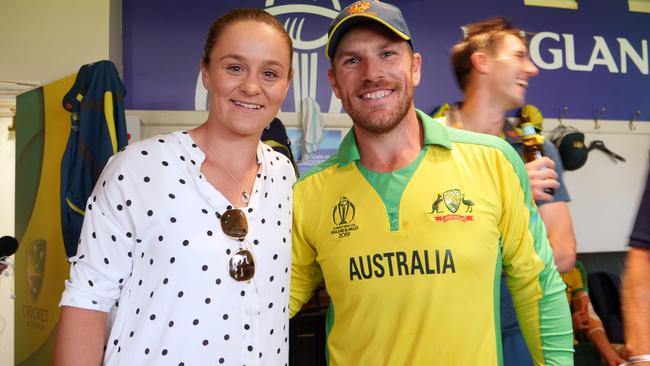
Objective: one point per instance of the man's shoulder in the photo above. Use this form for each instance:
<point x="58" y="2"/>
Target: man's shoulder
<point x="319" y="170"/>
<point x="484" y="150"/>
<point x="459" y="136"/>
<point x="551" y="150"/>
<point x="549" y="146"/>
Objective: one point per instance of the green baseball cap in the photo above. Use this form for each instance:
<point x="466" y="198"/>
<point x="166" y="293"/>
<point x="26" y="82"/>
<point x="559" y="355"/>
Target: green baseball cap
<point x="573" y="151"/>
<point x="570" y="143"/>
<point x="362" y="12"/>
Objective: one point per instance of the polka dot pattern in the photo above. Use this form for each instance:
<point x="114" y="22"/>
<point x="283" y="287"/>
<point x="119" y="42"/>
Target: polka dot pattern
<point x="152" y="243"/>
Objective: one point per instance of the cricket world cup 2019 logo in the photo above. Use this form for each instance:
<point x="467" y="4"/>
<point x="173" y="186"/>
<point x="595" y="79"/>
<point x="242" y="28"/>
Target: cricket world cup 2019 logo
<point x="343" y="212"/>
<point x="307" y="25"/>
<point x="342" y="215"/>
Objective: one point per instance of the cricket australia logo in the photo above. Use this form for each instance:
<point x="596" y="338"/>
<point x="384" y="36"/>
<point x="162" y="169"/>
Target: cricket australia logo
<point x="453" y="199"/>
<point x="342" y="216"/>
<point x="35" y="268"/>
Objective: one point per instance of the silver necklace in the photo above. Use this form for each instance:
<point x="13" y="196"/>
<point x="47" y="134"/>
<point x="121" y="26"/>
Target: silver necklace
<point x="244" y="195"/>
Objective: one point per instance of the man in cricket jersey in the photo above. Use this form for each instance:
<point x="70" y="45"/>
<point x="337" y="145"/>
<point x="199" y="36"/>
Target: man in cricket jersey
<point x="411" y="223"/>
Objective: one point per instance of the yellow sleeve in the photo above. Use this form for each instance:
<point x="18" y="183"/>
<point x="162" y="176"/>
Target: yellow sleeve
<point x="306" y="273"/>
<point x="537" y="290"/>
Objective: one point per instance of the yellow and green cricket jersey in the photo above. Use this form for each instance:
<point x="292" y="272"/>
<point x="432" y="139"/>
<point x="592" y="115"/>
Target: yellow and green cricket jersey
<point x="412" y="259"/>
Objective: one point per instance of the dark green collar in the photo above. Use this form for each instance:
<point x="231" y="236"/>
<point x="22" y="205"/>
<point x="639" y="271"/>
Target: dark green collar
<point x="434" y="134"/>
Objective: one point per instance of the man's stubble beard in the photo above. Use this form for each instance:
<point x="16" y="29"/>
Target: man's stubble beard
<point x="387" y="121"/>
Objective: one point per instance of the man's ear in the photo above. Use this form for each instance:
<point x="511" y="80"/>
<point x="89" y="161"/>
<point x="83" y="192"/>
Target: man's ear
<point x="480" y="62"/>
<point x="335" y="86"/>
<point x="416" y="68"/>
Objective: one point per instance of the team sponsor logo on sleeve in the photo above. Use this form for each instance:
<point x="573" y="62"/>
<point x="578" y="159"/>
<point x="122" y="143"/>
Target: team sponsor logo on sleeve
<point x="454" y="201"/>
<point x="343" y="215"/>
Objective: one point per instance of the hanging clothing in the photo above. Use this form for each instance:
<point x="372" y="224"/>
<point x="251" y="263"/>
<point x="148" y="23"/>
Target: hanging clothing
<point x="313" y="124"/>
<point x="96" y="101"/>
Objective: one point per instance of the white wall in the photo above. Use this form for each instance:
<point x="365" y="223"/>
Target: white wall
<point x="7" y="193"/>
<point x="606" y="194"/>
<point x="43" y="41"/>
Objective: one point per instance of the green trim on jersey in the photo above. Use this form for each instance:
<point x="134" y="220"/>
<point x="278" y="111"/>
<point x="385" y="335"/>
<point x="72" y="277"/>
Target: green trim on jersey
<point x="390" y="186"/>
<point x="497" y="304"/>
<point x="332" y="160"/>
<point x="434" y="134"/>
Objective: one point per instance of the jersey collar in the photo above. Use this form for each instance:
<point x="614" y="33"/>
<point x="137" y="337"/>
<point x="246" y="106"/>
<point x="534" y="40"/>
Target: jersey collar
<point x="434" y="134"/>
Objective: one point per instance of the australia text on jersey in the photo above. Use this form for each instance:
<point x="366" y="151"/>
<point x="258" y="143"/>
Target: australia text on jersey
<point x="393" y="264"/>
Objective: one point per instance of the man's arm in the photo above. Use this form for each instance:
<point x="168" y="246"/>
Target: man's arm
<point x="593" y="328"/>
<point x="599" y="339"/>
<point x="554" y="209"/>
<point x="80" y="337"/>
<point x="559" y="230"/>
<point x="636" y="288"/>
<point x="636" y="302"/>
<point x="537" y="290"/>
<point x="306" y="274"/>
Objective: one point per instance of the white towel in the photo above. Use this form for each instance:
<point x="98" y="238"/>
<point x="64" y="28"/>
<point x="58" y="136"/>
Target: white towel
<point x="312" y="126"/>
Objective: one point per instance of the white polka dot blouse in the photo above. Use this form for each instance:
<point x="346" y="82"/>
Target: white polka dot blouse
<point x="153" y="255"/>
